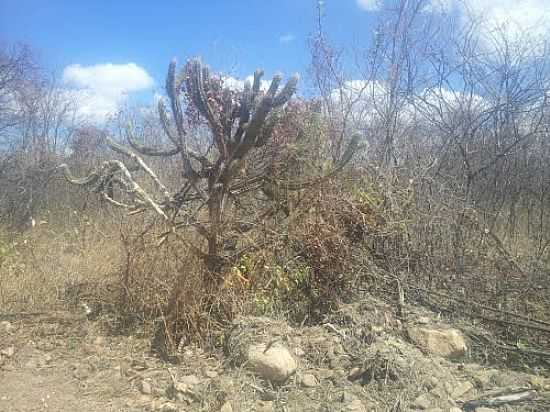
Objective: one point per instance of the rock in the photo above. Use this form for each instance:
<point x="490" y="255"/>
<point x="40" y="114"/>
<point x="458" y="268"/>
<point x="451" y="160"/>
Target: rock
<point x="145" y="388"/>
<point x="434" y="410"/>
<point x="423" y="401"/>
<point x="448" y="343"/>
<point x="309" y="380"/>
<point x="455" y="409"/>
<point x="461" y="389"/>
<point x="482" y="409"/>
<point x="273" y="363"/>
<point x="226" y="407"/>
<point x="8" y="352"/>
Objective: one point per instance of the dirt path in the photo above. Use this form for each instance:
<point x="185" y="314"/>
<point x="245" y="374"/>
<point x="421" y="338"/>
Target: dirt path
<point x="55" y="362"/>
<point x="358" y="362"/>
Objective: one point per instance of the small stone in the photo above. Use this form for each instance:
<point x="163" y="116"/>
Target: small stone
<point x="226" y="407"/>
<point x="8" y="352"/>
<point x="449" y="343"/>
<point x="461" y="389"/>
<point x="482" y="409"/>
<point x="273" y="363"/>
<point x="309" y="381"/>
<point x="423" y="320"/>
<point x="422" y="402"/>
<point x="145" y="388"/>
<point x="455" y="409"/>
<point x="435" y="410"/>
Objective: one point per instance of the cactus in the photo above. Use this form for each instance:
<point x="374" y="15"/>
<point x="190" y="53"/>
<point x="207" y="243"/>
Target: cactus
<point x="239" y="123"/>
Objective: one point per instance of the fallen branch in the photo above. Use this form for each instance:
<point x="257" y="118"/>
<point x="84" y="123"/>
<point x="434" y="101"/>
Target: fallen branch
<point x="515" y="395"/>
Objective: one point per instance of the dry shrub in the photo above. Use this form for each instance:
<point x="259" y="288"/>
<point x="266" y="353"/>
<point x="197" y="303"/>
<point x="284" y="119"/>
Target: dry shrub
<point x="38" y="266"/>
<point x="169" y="285"/>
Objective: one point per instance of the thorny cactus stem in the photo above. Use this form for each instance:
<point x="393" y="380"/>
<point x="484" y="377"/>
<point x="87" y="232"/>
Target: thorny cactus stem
<point x="238" y="121"/>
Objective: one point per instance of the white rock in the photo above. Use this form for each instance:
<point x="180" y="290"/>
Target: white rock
<point x="273" y="363"/>
<point x="145" y="388"/>
<point x="309" y="381"/>
<point x="461" y="389"/>
<point x="482" y="409"/>
<point x="449" y="343"/>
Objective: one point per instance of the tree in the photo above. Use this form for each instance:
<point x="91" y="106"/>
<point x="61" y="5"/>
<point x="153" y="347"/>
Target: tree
<point x="240" y="125"/>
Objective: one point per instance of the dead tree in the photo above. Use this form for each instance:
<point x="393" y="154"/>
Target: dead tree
<point x="239" y="122"/>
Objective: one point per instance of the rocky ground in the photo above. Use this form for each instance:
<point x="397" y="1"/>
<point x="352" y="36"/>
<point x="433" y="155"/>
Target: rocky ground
<point x="361" y="358"/>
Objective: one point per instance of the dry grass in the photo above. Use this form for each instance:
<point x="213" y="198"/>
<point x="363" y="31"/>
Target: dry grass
<point x="38" y="265"/>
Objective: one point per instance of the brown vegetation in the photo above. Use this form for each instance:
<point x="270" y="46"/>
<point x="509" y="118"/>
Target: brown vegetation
<point x="260" y="205"/>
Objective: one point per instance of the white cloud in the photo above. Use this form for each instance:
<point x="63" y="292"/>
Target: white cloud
<point x="100" y="90"/>
<point x="514" y="18"/>
<point x="287" y="38"/>
<point x="369" y="5"/>
<point x="440" y="6"/>
<point x="238" y="84"/>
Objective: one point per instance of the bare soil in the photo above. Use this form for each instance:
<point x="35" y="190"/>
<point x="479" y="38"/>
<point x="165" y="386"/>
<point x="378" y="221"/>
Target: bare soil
<point x="357" y="360"/>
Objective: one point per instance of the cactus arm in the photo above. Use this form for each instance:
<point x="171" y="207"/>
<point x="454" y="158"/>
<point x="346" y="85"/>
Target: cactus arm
<point x="198" y="81"/>
<point x="165" y="122"/>
<point x="92" y="178"/>
<point x="148" y="151"/>
<point x="125" y="151"/>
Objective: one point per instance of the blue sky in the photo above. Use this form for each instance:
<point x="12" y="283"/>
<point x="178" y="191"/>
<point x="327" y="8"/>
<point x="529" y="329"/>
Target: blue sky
<point x="235" y="37"/>
<point x="231" y="35"/>
<point x="109" y="52"/>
